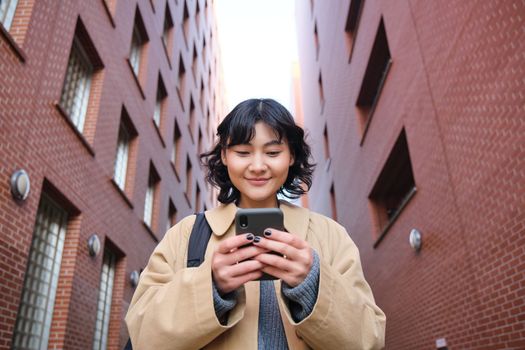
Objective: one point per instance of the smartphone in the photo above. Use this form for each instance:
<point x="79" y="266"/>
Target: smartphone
<point x="256" y="221"/>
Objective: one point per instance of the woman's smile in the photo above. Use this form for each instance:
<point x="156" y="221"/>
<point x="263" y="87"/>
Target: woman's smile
<point x="258" y="181"/>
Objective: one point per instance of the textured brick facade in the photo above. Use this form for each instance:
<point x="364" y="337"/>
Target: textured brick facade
<point x="455" y="85"/>
<point x="76" y="169"/>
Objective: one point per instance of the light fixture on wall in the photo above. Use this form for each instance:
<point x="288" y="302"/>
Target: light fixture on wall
<point x="93" y="245"/>
<point x="20" y="184"/>
<point x="415" y="239"/>
<point x="134" y="278"/>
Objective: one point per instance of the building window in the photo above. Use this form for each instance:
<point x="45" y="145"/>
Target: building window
<point x="160" y="103"/>
<point x="125" y="153"/>
<point x="167" y="32"/>
<point x="199" y="143"/>
<point x="374" y="79"/>
<point x="326" y="148"/>
<point x="122" y="155"/>
<point x="333" y="203"/>
<point x="105" y="293"/>
<point x="7" y="12"/>
<point x="192" y="121"/>
<point x="321" y="92"/>
<point x="33" y="322"/>
<point x="77" y="84"/>
<point x="201" y="96"/>
<point x="176" y="150"/>
<point x="194" y="63"/>
<point x="316" y="42"/>
<point x="394" y="187"/>
<point x="189" y="180"/>
<point x="82" y="65"/>
<point x="139" y="39"/>
<point x="198" y="16"/>
<point x="186" y="23"/>
<point x="352" y="21"/>
<point x="182" y="81"/>
<point x="172" y="215"/>
<point x="198" y="199"/>
<point x="204" y="50"/>
<point x="149" y="201"/>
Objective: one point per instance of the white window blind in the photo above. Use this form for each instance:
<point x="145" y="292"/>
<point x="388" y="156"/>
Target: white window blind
<point x="35" y="312"/>
<point x="121" y="159"/>
<point x="75" y="93"/>
<point x="107" y="277"/>
<point x="7" y="12"/>
<point x="158" y="107"/>
<point x="148" y="203"/>
<point x="136" y="46"/>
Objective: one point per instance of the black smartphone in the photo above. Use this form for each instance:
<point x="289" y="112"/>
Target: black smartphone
<point x="255" y="221"/>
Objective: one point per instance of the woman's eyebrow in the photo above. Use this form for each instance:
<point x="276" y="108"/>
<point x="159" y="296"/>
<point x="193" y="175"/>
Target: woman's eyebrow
<point x="273" y="142"/>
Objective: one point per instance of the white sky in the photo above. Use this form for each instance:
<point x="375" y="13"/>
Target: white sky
<point x="258" y="43"/>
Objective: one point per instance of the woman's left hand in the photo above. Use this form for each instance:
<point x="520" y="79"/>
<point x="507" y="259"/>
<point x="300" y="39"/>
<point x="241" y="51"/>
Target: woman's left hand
<point x="295" y="261"/>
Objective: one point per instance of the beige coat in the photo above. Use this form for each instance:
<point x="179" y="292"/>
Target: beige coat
<point x="172" y="307"/>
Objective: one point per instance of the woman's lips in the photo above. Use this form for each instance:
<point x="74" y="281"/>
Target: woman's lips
<point x="258" y="181"/>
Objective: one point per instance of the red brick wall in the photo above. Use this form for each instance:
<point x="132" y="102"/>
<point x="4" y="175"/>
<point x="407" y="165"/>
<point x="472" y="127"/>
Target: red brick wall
<point x="34" y="135"/>
<point x="456" y="87"/>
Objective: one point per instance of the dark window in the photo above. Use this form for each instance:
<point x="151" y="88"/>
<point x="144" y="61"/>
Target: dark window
<point x="167" y="33"/>
<point x="177" y="149"/>
<point x="376" y="71"/>
<point x="150" y="200"/>
<point x="333" y="202"/>
<point x="139" y="38"/>
<point x="191" y="124"/>
<point x="186" y="22"/>
<point x="316" y="41"/>
<point x="394" y="187"/>
<point x="321" y="92"/>
<point x="189" y="180"/>
<point x="352" y="21"/>
<point x="172" y="215"/>
<point x="194" y="63"/>
<point x="160" y="105"/>
<point x="198" y="199"/>
<point x="182" y="81"/>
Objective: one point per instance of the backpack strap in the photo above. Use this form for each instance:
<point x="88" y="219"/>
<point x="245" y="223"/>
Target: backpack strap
<point x="199" y="237"/>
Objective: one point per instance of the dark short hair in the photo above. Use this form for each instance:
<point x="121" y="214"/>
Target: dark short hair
<point x="239" y="128"/>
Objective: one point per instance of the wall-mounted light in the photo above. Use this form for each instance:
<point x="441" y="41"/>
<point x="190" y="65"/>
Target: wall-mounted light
<point x="20" y="184"/>
<point x="134" y="278"/>
<point x="93" y="245"/>
<point x="415" y="239"/>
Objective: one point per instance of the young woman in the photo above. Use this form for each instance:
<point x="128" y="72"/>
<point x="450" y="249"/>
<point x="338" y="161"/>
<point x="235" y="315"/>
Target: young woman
<point x="320" y="299"/>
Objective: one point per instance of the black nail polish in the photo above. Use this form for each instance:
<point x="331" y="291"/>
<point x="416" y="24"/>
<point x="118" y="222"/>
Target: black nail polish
<point x="250" y="236"/>
<point x="257" y="239"/>
<point x="267" y="233"/>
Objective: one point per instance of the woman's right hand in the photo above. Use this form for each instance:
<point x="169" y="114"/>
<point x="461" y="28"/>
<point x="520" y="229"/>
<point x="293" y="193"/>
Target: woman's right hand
<point x="232" y="265"/>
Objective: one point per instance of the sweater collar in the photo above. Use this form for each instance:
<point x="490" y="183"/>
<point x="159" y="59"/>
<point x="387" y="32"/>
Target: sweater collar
<point x="296" y="218"/>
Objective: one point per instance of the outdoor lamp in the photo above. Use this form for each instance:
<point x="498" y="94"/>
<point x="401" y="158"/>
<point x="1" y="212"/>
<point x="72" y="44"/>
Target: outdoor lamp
<point x="134" y="278"/>
<point x="93" y="245"/>
<point x="20" y="184"/>
<point x="415" y="239"/>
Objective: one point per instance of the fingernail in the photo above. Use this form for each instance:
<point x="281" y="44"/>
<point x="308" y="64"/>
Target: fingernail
<point x="257" y="239"/>
<point x="267" y="233"/>
<point x="250" y="236"/>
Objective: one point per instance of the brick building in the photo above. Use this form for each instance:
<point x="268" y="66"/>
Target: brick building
<point x="416" y="113"/>
<point x="105" y="104"/>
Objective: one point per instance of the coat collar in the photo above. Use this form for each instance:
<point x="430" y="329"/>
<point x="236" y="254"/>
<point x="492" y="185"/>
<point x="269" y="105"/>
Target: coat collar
<point x="295" y="218"/>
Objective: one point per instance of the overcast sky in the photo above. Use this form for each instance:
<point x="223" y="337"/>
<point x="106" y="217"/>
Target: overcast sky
<point x="258" y="43"/>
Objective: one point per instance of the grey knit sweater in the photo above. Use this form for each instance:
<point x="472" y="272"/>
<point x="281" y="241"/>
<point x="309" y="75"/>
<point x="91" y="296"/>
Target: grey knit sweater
<point x="301" y="301"/>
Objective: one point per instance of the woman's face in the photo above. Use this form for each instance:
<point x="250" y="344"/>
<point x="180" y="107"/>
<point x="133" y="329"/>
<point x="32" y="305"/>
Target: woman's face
<point x="259" y="168"/>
